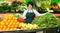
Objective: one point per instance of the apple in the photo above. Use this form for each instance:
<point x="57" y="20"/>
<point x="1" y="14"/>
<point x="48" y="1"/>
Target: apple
<point x="20" y="20"/>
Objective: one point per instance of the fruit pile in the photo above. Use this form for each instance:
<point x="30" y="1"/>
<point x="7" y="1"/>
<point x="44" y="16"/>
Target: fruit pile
<point x="10" y="23"/>
<point x="28" y="26"/>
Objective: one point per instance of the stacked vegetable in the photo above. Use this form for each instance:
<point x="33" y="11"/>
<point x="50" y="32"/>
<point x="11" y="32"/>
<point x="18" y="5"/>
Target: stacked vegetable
<point x="46" y="21"/>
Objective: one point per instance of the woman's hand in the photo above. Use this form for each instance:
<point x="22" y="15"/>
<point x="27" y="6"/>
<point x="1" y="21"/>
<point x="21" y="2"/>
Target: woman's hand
<point x="46" y="13"/>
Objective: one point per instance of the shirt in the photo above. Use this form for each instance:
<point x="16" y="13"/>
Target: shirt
<point x="36" y="13"/>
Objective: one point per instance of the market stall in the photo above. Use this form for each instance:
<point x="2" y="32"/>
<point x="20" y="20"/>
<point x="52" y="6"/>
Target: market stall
<point x="11" y="12"/>
<point x="10" y="24"/>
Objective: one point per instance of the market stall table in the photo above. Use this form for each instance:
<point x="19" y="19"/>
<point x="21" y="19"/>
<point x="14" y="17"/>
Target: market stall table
<point x="29" y="31"/>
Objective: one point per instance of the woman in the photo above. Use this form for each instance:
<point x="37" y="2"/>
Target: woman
<point x="30" y="13"/>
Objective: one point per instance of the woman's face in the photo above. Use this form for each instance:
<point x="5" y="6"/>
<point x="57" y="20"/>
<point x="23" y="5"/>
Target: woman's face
<point x="30" y="6"/>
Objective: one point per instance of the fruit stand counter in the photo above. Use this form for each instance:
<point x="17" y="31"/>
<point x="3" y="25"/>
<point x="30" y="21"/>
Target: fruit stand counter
<point x="35" y="30"/>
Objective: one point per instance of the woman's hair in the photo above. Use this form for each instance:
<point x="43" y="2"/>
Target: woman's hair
<point x="30" y="3"/>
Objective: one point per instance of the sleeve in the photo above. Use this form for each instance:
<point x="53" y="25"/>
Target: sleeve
<point x="24" y="14"/>
<point x="38" y="14"/>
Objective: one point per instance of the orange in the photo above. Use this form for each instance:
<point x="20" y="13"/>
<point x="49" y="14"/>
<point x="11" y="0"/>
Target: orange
<point x="11" y="28"/>
<point x="14" y="18"/>
<point x="4" y="29"/>
<point x="8" y="28"/>
<point x="1" y="26"/>
<point x="53" y="7"/>
<point x="15" y="28"/>
<point x="8" y="20"/>
<point x="1" y="23"/>
<point x="16" y="25"/>
<point x="11" y="18"/>
<point x="56" y="7"/>
<point x="4" y="26"/>
<point x="0" y="29"/>
<point x="12" y="21"/>
<point x="4" y="20"/>
<point x="6" y="23"/>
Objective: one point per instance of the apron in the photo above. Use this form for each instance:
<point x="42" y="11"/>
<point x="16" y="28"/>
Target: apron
<point x="29" y="17"/>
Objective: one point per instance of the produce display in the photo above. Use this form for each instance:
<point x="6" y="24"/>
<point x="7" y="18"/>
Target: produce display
<point x="11" y="23"/>
<point x="21" y="5"/>
<point x="47" y="21"/>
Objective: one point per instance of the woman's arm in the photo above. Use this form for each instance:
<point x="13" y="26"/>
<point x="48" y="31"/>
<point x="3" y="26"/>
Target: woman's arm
<point x="24" y="14"/>
<point x="38" y="14"/>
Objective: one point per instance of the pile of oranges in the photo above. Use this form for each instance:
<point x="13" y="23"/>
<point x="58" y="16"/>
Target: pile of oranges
<point x="9" y="23"/>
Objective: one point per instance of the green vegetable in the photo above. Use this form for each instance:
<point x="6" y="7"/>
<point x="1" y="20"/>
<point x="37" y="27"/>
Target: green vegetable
<point x="46" y="21"/>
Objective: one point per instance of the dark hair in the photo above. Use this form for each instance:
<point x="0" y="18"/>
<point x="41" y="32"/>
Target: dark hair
<point x="30" y="3"/>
